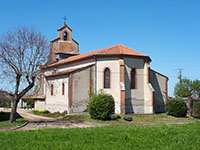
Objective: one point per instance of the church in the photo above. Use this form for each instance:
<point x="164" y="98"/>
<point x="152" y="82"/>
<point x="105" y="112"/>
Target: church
<point x="68" y="78"/>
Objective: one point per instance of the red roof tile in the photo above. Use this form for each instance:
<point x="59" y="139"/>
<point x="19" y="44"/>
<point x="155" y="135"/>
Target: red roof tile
<point x="34" y="97"/>
<point x="113" y="50"/>
<point x="66" y="47"/>
<point x="67" y="71"/>
<point x="58" y="38"/>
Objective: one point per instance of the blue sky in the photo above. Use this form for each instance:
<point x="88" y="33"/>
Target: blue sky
<point x="166" y="30"/>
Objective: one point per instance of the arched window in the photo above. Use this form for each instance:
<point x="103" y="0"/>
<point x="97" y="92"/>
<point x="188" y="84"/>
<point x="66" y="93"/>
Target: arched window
<point x="107" y="78"/>
<point x="65" y="36"/>
<point x="133" y="77"/>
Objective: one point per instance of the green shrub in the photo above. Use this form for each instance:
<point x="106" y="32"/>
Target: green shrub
<point x="65" y="112"/>
<point x="46" y="112"/>
<point x="196" y="110"/>
<point x="101" y="106"/>
<point x="128" y="118"/>
<point x="36" y="112"/>
<point x="176" y="107"/>
<point x="115" y="117"/>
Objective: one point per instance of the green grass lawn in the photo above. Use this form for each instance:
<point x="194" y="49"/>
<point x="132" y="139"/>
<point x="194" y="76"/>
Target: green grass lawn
<point x="4" y="123"/>
<point x="117" y="137"/>
<point x="144" y="118"/>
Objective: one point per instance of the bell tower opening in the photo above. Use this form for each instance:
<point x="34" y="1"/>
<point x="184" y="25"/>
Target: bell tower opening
<point x="65" y="36"/>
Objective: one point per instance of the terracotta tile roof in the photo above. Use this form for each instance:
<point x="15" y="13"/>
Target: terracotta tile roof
<point x="34" y="97"/>
<point x="66" y="47"/>
<point x="67" y="71"/>
<point x="113" y="50"/>
<point x="58" y="38"/>
<point x="75" y="41"/>
<point x="64" y="25"/>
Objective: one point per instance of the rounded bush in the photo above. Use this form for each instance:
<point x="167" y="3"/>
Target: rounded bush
<point x="176" y="107"/>
<point x="128" y="118"/>
<point x="101" y="106"/>
<point x="196" y="110"/>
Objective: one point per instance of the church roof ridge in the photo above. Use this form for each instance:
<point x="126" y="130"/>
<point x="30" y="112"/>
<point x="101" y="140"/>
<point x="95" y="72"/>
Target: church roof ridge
<point x="64" y="25"/>
<point x="118" y="49"/>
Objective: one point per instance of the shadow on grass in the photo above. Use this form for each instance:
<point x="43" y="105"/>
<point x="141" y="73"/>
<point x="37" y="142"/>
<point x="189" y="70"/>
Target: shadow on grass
<point x="4" y="116"/>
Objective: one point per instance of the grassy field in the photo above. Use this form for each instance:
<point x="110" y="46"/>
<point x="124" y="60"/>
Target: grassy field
<point x="4" y="117"/>
<point x="117" y="137"/>
<point x="151" y="118"/>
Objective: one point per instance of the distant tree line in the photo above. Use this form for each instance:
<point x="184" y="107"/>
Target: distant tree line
<point x="185" y="87"/>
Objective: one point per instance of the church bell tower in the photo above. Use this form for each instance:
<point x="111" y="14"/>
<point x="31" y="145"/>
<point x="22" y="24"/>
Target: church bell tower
<point x="63" y="46"/>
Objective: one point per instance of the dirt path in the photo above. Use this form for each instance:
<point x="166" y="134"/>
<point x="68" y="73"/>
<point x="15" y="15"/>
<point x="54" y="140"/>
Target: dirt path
<point x="34" y="118"/>
<point x="36" y="122"/>
<point x="56" y="124"/>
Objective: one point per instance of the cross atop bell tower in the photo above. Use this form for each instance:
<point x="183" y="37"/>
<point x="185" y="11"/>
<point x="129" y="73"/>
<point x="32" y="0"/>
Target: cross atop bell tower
<point x="65" y="19"/>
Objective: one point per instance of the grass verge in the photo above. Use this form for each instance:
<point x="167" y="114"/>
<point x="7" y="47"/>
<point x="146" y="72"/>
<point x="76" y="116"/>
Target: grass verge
<point x="47" y="113"/>
<point x="6" y="124"/>
<point x="117" y="137"/>
<point x="4" y="120"/>
<point x="143" y="118"/>
<point x="151" y="118"/>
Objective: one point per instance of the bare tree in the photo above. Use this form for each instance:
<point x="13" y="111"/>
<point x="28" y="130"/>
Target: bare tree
<point x="22" y="51"/>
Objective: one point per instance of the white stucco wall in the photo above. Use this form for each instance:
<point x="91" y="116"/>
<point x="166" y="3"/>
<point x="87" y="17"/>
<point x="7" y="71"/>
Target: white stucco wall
<point x="159" y="82"/>
<point x="57" y="101"/>
<point x="134" y="97"/>
<point x="148" y="91"/>
<point x="113" y="64"/>
<point x="40" y="105"/>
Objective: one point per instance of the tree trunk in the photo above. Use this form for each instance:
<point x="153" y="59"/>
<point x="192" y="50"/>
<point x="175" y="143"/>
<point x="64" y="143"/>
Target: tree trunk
<point x="13" y="112"/>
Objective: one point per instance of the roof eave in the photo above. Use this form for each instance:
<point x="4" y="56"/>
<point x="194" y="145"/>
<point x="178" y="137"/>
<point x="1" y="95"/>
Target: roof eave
<point x="160" y="74"/>
<point x="123" y="55"/>
<point x="104" y="55"/>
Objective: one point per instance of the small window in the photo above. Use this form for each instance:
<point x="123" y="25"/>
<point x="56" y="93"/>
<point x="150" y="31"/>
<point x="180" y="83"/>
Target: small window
<point x="63" y="89"/>
<point x="65" y="36"/>
<point x="51" y="89"/>
<point x="107" y="78"/>
<point x="133" y="78"/>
